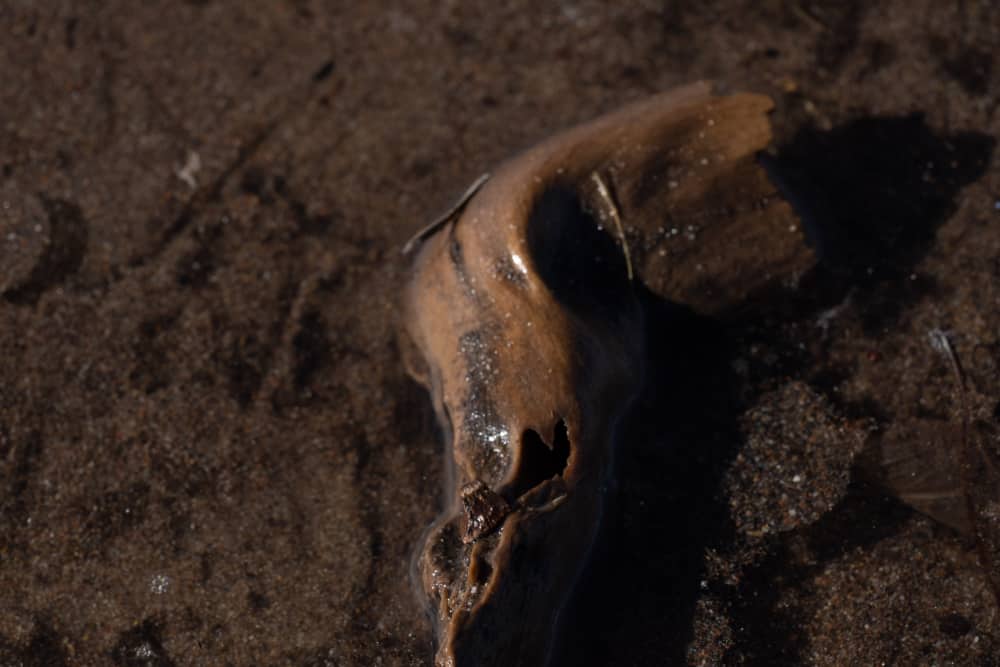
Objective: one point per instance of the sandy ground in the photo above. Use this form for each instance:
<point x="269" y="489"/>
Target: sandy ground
<point x="210" y="453"/>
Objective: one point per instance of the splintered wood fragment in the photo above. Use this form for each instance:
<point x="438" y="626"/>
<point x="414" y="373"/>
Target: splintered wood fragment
<point x="485" y="510"/>
<point x="447" y="216"/>
<point x="605" y="193"/>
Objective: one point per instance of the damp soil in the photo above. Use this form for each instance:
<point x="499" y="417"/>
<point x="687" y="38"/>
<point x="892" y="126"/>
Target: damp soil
<point x="210" y="452"/>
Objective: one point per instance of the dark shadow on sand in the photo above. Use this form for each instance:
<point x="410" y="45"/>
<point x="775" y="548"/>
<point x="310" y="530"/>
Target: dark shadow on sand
<point x="873" y="193"/>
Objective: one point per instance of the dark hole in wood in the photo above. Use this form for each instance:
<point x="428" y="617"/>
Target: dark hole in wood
<point x="539" y="461"/>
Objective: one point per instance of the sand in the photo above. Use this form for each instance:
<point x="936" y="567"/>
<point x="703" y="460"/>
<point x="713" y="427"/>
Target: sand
<point x="211" y="454"/>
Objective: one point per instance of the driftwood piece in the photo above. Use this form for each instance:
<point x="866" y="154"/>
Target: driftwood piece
<point x="523" y="322"/>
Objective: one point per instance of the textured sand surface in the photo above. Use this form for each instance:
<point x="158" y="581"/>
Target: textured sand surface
<point x="210" y="452"/>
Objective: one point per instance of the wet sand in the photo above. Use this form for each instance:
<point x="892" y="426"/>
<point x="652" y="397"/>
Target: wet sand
<point x="210" y="452"/>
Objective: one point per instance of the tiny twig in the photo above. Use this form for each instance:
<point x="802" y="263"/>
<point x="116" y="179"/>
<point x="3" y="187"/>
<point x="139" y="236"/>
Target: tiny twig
<point x="940" y="342"/>
<point x="605" y="193"/>
<point x="452" y="211"/>
<point x="809" y="16"/>
<point x="547" y="507"/>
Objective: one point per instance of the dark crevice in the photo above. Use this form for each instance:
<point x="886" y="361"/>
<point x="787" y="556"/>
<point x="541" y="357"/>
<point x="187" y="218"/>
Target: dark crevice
<point x="483" y="572"/>
<point x="539" y="461"/>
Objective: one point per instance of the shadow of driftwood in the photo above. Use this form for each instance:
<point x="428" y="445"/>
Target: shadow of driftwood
<point x="675" y="445"/>
<point x="873" y="193"/>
